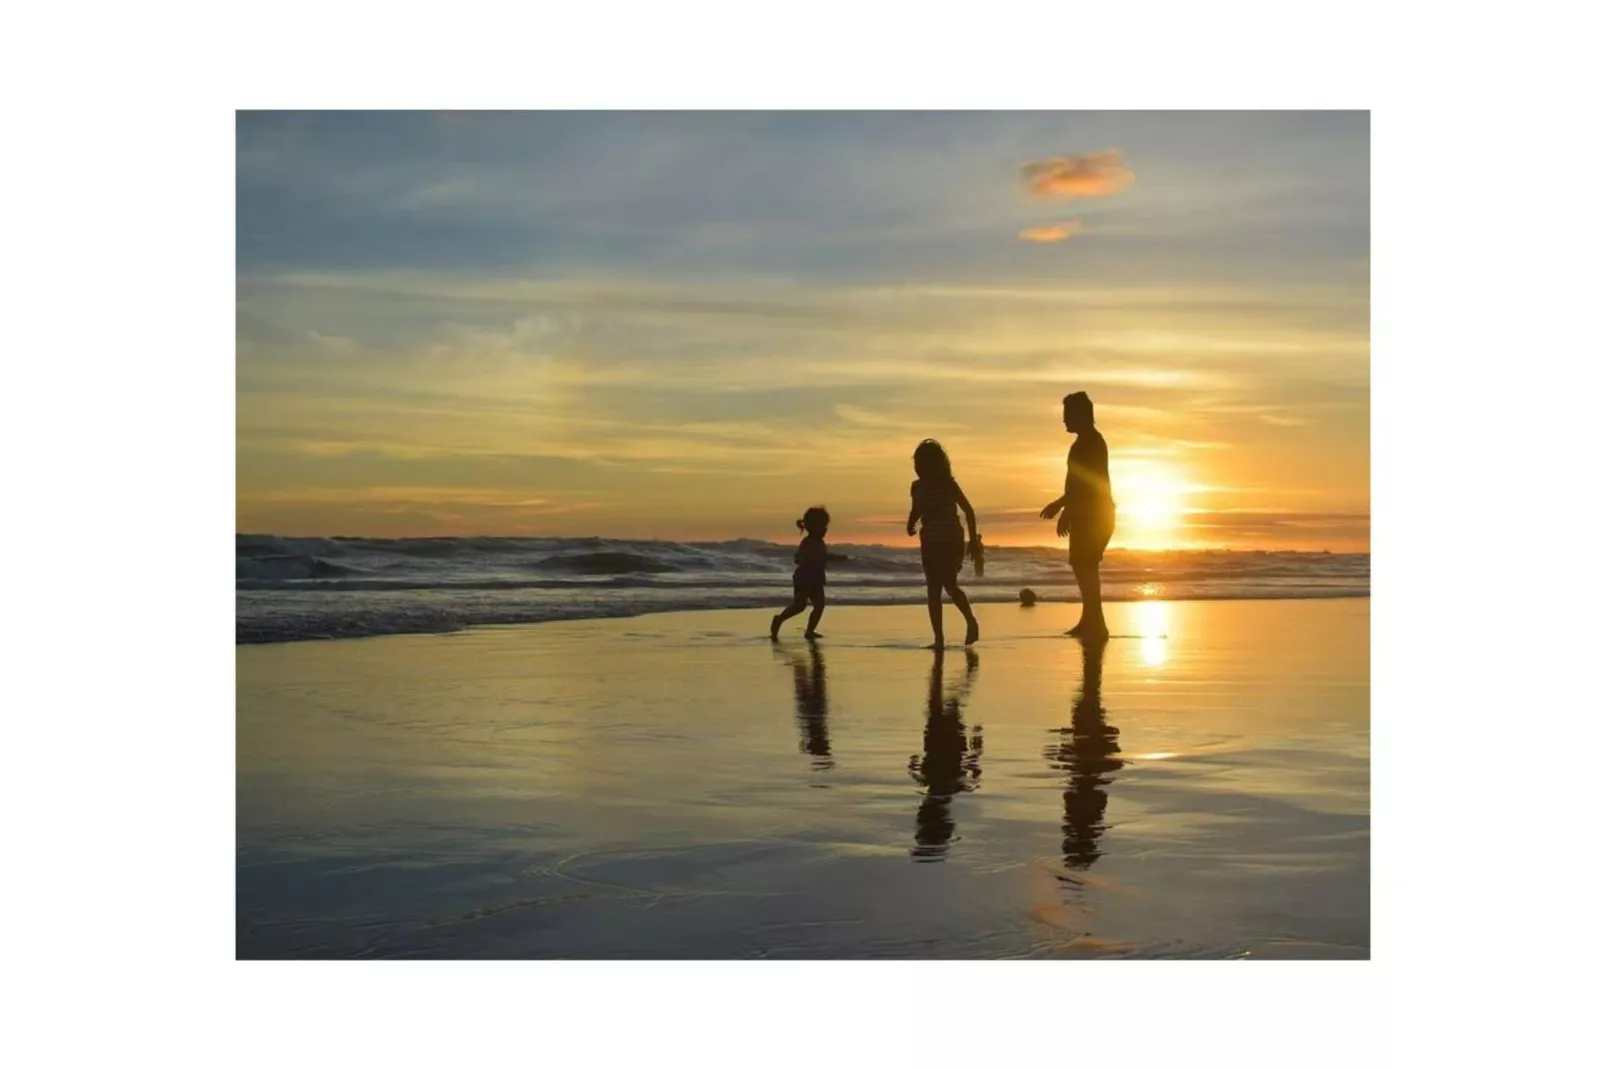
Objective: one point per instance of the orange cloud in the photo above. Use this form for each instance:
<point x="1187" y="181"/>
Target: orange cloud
<point x="1098" y="174"/>
<point x="1052" y="232"/>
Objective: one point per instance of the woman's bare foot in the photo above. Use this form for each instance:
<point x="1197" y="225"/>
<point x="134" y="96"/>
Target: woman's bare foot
<point x="1096" y="633"/>
<point x="1076" y="631"/>
<point x="972" y="633"/>
<point x="775" y="626"/>
<point x="813" y="635"/>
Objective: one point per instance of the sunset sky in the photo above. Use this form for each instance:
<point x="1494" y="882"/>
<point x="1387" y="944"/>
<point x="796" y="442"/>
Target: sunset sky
<point x="695" y="325"/>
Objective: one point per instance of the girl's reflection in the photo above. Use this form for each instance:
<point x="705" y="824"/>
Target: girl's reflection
<point x="950" y="764"/>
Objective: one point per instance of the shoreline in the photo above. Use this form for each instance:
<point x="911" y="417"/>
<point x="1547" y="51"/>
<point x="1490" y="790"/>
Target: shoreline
<point x="592" y="615"/>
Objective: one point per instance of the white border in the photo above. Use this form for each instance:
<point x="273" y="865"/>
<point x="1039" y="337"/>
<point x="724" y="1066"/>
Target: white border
<point x="1486" y="255"/>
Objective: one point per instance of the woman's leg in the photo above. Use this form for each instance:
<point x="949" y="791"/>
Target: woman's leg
<point x="1096" y="629"/>
<point x="1081" y="586"/>
<point x="1092" y="624"/>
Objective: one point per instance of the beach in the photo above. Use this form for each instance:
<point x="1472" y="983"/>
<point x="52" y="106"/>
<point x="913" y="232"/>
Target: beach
<point x="675" y="786"/>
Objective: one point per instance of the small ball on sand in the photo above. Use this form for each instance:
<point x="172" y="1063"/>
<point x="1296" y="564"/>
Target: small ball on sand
<point x="1028" y="597"/>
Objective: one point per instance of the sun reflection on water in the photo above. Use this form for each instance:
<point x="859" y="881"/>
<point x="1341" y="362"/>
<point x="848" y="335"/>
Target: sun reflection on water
<point x="1154" y="629"/>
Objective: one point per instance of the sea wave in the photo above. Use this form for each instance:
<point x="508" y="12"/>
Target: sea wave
<point x="277" y="569"/>
<point x="295" y="588"/>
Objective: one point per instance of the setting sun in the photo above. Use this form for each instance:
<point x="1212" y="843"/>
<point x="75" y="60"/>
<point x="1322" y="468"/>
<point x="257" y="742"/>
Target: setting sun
<point x="1151" y="502"/>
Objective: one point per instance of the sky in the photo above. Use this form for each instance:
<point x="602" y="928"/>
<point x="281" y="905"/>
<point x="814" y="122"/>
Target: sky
<point x="693" y="326"/>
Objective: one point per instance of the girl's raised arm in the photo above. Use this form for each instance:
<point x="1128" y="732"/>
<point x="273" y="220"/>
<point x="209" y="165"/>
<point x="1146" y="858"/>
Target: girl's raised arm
<point x="964" y="506"/>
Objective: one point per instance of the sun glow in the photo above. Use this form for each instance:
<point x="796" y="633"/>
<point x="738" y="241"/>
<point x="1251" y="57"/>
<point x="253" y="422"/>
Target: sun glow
<point x="1150" y="501"/>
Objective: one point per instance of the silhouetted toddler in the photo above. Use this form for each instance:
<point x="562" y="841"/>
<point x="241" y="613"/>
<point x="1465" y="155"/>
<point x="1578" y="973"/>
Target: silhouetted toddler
<point x="808" y="580"/>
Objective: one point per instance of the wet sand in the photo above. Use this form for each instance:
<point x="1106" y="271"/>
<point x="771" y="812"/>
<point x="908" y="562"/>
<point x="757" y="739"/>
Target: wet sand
<point x="675" y="786"/>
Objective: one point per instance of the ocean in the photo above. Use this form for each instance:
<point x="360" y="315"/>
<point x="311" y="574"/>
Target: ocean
<point x="294" y="588"/>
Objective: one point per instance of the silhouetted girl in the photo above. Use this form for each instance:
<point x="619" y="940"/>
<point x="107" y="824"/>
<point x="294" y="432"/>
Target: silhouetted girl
<point x="932" y="501"/>
<point x="808" y="580"/>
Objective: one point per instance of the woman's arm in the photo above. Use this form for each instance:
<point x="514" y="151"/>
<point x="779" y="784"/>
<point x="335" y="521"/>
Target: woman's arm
<point x="914" y="509"/>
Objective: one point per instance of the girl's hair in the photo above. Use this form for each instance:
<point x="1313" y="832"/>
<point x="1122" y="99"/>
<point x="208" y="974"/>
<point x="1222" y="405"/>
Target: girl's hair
<point x="815" y="512"/>
<point x="931" y="462"/>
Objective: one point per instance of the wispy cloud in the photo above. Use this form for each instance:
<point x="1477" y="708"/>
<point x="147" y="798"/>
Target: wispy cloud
<point x="1096" y="174"/>
<point x="1053" y="232"/>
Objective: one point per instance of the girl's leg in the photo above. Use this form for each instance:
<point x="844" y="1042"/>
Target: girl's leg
<point x="785" y="615"/>
<point x="814" y="619"/>
<point x="972" y="629"/>
<point x="934" y="605"/>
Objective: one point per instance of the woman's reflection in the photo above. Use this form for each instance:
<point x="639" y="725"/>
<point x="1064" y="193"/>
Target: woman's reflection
<point x="808" y="682"/>
<point x="950" y="764"/>
<point x="1086" y="753"/>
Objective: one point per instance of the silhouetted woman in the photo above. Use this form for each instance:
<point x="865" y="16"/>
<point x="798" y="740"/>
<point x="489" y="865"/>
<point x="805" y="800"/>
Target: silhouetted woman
<point x="1086" y="511"/>
<point x="933" y="500"/>
<point x="949" y="763"/>
<point x="1086" y="754"/>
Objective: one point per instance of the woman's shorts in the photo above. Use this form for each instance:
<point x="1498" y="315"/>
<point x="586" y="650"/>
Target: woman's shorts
<point x="941" y="558"/>
<point x="1089" y="538"/>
